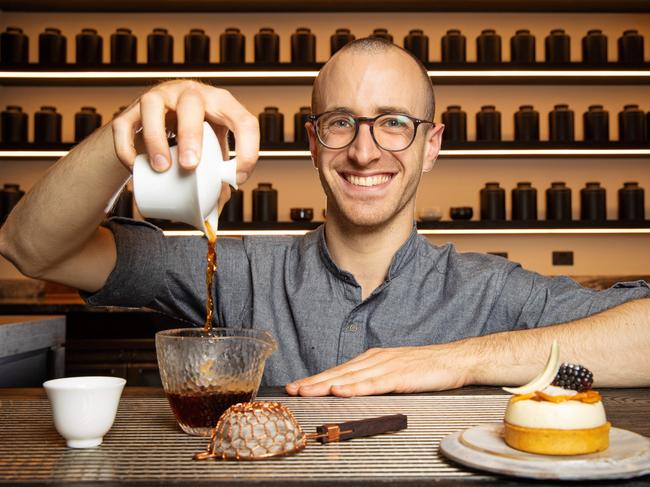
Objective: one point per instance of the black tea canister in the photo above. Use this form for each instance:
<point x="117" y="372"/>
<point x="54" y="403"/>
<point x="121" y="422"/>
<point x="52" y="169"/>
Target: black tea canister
<point x="14" y="47"/>
<point x="123" y="206"/>
<point x="382" y="33"/>
<point x="265" y="203"/>
<point x="593" y="203"/>
<point x="160" y="47"/>
<point x="524" y="202"/>
<point x="339" y="39"/>
<point x="558" y="202"/>
<point x="271" y="125"/>
<point x="493" y="202"/>
<point x="232" y="46"/>
<point x="267" y="46"/>
<point x="300" y="118"/>
<point x="631" y="124"/>
<point x="453" y="46"/>
<point x="488" y="124"/>
<point x="595" y="123"/>
<point x="455" y="122"/>
<point x="10" y="195"/>
<point x="47" y="126"/>
<point x="90" y="47"/>
<point x="631" y="202"/>
<point x="14" y="125"/>
<point x="488" y="47"/>
<point x="303" y="46"/>
<point x="557" y="47"/>
<point x="522" y="47"/>
<point x="197" y="47"/>
<point x="124" y="47"/>
<point x="561" y="125"/>
<point x="630" y="47"/>
<point x="417" y="44"/>
<point x="86" y="122"/>
<point x="301" y="214"/>
<point x="52" y="47"/>
<point x="594" y="47"/>
<point x="233" y="210"/>
<point x="526" y="124"/>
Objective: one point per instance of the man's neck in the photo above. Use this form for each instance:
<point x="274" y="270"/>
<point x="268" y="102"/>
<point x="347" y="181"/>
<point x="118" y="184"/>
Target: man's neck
<point x="367" y="252"/>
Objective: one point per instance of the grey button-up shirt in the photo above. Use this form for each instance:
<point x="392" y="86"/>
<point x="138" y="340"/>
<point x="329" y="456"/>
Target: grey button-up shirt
<point x="292" y="287"/>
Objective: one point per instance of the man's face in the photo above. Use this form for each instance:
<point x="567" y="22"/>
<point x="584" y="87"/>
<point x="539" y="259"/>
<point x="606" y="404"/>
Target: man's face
<point x="366" y="185"/>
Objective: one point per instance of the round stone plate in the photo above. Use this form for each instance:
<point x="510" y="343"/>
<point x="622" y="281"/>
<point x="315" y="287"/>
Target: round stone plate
<point x="483" y="447"/>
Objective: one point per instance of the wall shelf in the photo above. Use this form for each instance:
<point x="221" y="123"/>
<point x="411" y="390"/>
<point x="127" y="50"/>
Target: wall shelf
<point x="584" y="6"/>
<point x="472" y="227"/>
<point x="471" y="149"/>
<point x="290" y="74"/>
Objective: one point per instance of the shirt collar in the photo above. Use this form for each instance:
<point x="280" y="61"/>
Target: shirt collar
<point x="401" y="259"/>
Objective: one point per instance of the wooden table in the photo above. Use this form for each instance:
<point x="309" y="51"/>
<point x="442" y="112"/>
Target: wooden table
<point x="32" y="453"/>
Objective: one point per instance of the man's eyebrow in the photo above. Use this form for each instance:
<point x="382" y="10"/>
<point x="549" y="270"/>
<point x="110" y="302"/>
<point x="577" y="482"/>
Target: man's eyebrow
<point x="381" y="109"/>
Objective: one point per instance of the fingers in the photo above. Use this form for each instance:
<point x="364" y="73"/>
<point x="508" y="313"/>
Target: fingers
<point x="366" y="359"/>
<point x="189" y="103"/>
<point x="123" y="136"/>
<point x="190" y="113"/>
<point x="152" y="112"/>
<point x="327" y="386"/>
<point x="223" y="109"/>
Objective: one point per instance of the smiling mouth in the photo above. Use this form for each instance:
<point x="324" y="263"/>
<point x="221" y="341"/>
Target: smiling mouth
<point x="367" y="181"/>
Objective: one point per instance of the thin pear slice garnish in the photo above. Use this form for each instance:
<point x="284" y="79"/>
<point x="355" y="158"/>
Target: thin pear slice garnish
<point x="545" y="378"/>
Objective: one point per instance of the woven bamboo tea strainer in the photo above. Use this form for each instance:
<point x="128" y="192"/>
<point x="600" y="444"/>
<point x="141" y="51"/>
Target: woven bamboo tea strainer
<point x="264" y="429"/>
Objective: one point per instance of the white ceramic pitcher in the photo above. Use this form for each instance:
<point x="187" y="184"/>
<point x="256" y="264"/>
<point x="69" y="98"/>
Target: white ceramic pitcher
<point x="185" y="196"/>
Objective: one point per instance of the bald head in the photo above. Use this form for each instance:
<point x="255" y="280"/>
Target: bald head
<point x="372" y="46"/>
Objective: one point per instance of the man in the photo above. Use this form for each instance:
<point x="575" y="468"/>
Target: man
<point x="362" y="305"/>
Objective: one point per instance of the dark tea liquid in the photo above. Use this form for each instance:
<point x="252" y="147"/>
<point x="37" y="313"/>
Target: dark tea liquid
<point x="209" y="275"/>
<point x="203" y="410"/>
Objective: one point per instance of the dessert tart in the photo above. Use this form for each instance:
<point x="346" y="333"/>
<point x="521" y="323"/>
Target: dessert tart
<point x="557" y="413"/>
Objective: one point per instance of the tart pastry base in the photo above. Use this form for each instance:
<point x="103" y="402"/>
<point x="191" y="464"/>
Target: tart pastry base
<point x="556" y="441"/>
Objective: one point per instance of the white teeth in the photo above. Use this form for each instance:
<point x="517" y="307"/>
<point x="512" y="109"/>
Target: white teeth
<point x="368" y="181"/>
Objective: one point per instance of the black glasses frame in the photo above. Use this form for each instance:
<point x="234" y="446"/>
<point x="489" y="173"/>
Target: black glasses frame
<point x="371" y="121"/>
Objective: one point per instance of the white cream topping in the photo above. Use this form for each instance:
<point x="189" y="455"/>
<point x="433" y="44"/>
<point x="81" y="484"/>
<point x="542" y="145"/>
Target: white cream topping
<point x="367" y="181"/>
<point x="565" y="415"/>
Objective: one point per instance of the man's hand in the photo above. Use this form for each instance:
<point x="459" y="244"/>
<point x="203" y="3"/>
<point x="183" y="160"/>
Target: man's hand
<point x="385" y="370"/>
<point x="184" y="105"/>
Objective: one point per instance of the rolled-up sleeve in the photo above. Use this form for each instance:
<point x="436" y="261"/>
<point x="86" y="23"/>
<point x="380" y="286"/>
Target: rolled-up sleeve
<point x="138" y="276"/>
<point x="167" y="274"/>
<point x="528" y="299"/>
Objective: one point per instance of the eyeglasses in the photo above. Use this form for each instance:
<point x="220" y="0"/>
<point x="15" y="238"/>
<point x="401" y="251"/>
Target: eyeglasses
<point x="393" y="132"/>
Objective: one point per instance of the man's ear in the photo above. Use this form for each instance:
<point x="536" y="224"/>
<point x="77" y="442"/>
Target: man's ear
<point x="432" y="145"/>
<point x="313" y="142"/>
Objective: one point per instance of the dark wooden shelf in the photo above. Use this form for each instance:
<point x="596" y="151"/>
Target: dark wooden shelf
<point x="471" y="225"/>
<point x="247" y="6"/>
<point x="470" y="73"/>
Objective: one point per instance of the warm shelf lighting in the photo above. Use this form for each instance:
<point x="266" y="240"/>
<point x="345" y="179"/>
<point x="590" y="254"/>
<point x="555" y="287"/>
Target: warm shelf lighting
<point x="544" y="152"/>
<point x="74" y="75"/>
<point x="469" y="73"/>
<point x="279" y="154"/>
<point x="33" y="154"/>
<point x="526" y="73"/>
<point x="432" y="231"/>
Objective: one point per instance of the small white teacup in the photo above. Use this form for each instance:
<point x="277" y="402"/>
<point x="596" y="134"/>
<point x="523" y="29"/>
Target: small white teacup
<point x="84" y="408"/>
<point x="185" y="196"/>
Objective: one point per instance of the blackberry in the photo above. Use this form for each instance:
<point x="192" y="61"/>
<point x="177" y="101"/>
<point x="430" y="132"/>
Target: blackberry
<point x="573" y="376"/>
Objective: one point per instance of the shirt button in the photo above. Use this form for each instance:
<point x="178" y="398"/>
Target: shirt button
<point x="353" y="327"/>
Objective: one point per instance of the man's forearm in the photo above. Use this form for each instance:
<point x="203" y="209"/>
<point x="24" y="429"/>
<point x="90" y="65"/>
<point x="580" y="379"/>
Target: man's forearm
<point x="64" y="209"/>
<point x="613" y="344"/>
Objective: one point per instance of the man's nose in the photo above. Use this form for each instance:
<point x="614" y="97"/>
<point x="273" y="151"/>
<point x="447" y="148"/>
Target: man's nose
<point x="364" y="150"/>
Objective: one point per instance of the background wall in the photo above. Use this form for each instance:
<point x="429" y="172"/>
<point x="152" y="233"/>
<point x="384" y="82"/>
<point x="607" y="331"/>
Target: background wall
<point x="454" y="182"/>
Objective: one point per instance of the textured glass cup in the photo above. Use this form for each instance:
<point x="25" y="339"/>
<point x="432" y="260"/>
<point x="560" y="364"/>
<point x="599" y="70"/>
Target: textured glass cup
<point x="203" y="375"/>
